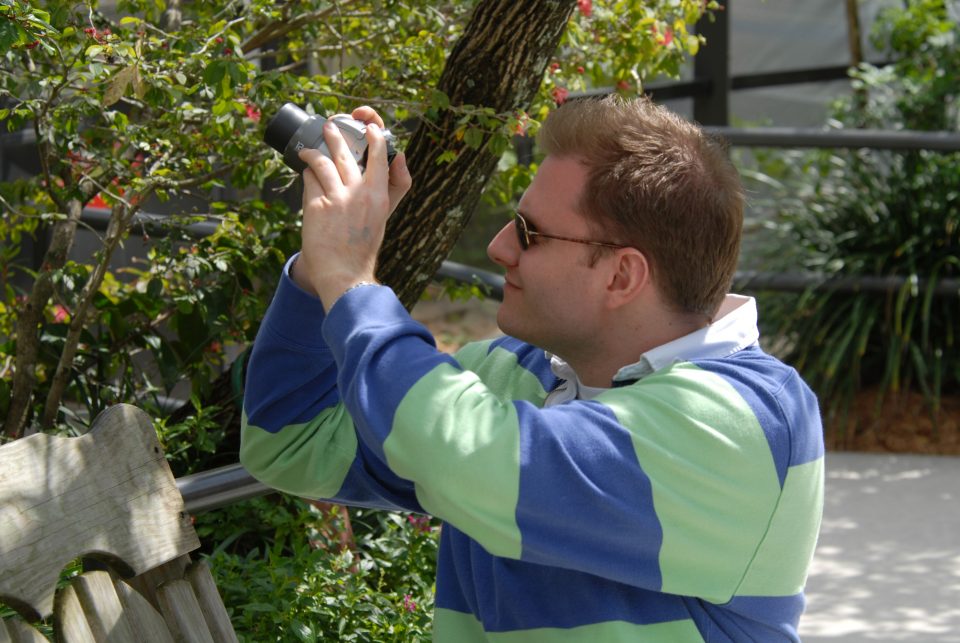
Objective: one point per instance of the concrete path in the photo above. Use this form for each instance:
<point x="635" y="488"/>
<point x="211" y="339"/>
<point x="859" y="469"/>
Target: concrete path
<point x="887" y="566"/>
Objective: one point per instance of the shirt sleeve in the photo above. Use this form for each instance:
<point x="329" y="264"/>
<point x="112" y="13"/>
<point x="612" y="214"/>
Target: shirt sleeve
<point x="296" y="435"/>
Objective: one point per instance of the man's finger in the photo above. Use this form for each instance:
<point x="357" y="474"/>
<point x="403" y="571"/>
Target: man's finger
<point x="340" y="153"/>
<point x="400" y="179"/>
<point x="367" y="114"/>
<point x="323" y="169"/>
<point x="376" y="172"/>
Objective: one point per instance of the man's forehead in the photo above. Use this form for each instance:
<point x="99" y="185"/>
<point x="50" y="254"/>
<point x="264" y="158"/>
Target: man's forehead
<point x="558" y="183"/>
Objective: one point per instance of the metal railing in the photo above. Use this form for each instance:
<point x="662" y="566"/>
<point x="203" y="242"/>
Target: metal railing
<point x="225" y="485"/>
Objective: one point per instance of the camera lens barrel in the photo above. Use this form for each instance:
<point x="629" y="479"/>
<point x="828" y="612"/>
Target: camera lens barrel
<point x="292" y="130"/>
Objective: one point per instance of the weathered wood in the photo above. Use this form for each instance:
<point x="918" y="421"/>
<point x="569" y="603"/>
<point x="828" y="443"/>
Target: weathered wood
<point x="147" y="623"/>
<point x="180" y="609"/>
<point x="102" y="608"/>
<point x="211" y="603"/>
<point x="109" y="494"/>
<point x="69" y="621"/>
<point x="16" y="631"/>
<point x="148" y="582"/>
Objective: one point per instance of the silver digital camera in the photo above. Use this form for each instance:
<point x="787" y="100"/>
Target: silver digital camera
<point x="292" y="130"/>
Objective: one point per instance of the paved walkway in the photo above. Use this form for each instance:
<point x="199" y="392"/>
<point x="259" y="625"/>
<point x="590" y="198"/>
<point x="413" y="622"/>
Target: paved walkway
<point x="887" y="566"/>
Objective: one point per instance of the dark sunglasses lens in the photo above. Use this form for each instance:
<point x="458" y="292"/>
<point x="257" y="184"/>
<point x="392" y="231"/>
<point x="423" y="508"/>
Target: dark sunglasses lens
<point x="521" y="226"/>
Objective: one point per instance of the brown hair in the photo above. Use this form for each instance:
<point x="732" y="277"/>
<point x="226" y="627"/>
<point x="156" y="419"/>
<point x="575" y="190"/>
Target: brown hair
<point x="656" y="182"/>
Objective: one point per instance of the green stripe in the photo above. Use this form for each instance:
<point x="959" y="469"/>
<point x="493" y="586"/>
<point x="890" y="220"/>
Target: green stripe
<point x="780" y="565"/>
<point x="457" y="627"/>
<point x="713" y="478"/>
<point x="501" y="372"/>
<point x="310" y="459"/>
<point x="461" y="447"/>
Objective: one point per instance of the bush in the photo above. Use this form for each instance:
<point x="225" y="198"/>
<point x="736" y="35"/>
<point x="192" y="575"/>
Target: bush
<point x="299" y="584"/>
<point x="879" y="213"/>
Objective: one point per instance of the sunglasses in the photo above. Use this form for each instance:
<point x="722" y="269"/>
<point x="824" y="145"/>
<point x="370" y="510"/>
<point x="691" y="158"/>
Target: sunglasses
<point x="526" y="232"/>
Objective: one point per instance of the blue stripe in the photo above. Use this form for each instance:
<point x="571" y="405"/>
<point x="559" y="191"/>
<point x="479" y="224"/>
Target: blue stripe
<point x="585" y="502"/>
<point x="531" y="358"/>
<point x="783" y="404"/>
<point x="507" y="595"/>
<point x="372" y="379"/>
<point x="749" y="618"/>
<point x="370" y="483"/>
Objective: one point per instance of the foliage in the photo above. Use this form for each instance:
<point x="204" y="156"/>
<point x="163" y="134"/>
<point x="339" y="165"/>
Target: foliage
<point x="291" y="588"/>
<point x="140" y="106"/>
<point x="880" y="213"/>
<point x="146" y="106"/>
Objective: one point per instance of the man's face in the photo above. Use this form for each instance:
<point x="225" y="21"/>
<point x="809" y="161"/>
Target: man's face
<point x="551" y="296"/>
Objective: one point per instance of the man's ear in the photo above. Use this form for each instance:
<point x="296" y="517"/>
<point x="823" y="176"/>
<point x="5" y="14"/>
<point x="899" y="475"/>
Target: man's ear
<point x="629" y="276"/>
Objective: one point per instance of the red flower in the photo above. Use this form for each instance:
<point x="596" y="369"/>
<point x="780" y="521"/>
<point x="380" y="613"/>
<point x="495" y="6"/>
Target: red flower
<point x="408" y="603"/>
<point x="60" y="313"/>
<point x="559" y="95"/>
<point x="586" y="7"/>
<point x="98" y="202"/>
<point x="253" y="113"/>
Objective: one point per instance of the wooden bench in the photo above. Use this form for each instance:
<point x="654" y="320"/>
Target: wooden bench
<point x="107" y="497"/>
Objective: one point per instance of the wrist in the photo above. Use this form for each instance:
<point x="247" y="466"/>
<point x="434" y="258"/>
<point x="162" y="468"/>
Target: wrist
<point x="332" y="290"/>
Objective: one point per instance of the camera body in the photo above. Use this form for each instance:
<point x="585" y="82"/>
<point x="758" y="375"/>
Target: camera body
<point x="292" y="130"/>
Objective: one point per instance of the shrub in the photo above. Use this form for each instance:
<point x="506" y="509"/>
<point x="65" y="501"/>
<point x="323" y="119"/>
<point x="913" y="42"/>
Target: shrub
<point x="879" y="213"/>
<point x="299" y="584"/>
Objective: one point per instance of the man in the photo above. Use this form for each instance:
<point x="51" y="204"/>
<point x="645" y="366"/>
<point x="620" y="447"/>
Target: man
<point x="626" y="464"/>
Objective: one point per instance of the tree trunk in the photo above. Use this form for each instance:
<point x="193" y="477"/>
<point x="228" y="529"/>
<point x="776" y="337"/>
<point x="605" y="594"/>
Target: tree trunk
<point x="499" y="62"/>
<point x="31" y="317"/>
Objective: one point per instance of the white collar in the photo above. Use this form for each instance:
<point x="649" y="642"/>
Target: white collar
<point x="734" y="329"/>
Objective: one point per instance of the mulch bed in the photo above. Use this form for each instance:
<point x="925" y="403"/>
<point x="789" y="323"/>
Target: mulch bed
<point x="904" y="423"/>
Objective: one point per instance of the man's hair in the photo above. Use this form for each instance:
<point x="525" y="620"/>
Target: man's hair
<point x="658" y="183"/>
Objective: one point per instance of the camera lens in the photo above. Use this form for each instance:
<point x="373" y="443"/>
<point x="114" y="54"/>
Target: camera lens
<point x="284" y="125"/>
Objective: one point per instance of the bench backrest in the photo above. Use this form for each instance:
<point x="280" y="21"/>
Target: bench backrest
<point x="107" y="497"/>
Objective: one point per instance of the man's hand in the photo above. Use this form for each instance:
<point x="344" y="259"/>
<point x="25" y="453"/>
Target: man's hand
<point x="345" y="212"/>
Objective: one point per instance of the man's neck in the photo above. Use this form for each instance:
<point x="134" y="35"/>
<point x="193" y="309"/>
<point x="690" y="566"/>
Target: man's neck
<point x="599" y="363"/>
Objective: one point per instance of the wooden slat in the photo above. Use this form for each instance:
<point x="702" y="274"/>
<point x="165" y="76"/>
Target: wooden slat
<point x="21" y="632"/>
<point x="148" y="582"/>
<point x="147" y="623"/>
<point x="109" y="493"/>
<point x="181" y="611"/>
<point x="69" y="622"/>
<point x="102" y="607"/>
<point x="211" y="604"/>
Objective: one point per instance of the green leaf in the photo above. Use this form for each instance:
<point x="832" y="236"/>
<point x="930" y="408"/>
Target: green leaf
<point x="214" y="72"/>
<point x="473" y="137"/>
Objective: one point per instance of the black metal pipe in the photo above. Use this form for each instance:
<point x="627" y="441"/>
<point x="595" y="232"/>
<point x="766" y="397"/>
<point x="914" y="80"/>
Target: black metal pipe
<point x="845" y="138"/>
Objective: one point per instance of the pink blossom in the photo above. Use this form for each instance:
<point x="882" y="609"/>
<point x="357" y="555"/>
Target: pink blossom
<point x="408" y="603"/>
<point x="586" y="7"/>
<point x="559" y="94"/>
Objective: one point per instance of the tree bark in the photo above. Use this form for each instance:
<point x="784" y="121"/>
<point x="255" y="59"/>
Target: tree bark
<point x="498" y="62"/>
<point x="31" y="316"/>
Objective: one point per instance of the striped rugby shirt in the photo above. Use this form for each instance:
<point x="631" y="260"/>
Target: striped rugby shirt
<point x="682" y="504"/>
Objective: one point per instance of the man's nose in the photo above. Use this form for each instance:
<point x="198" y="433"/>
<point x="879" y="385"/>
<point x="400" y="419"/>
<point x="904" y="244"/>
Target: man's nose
<point x="504" y="248"/>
